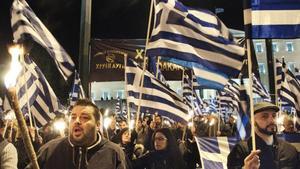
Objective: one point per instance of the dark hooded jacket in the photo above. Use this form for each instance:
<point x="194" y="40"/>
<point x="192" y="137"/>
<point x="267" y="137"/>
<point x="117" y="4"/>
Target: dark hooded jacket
<point x="61" y="154"/>
<point x="280" y="155"/>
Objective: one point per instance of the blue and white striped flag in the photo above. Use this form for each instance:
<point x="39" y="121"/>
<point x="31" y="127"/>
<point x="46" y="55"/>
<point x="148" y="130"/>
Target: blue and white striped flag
<point x="118" y="108"/>
<point x="196" y="85"/>
<point x="214" y="151"/>
<point x="294" y="92"/>
<point x="297" y="74"/>
<point x="272" y="18"/>
<point x="259" y="89"/>
<point x="32" y="88"/>
<point x="155" y="70"/>
<point x="243" y="116"/>
<point x="285" y="94"/>
<point x="279" y="76"/>
<point x="77" y="90"/>
<point x="231" y="95"/>
<point x="189" y="95"/>
<point x="26" y="25"/>
<point x="196" y="39"/>
<point x="212" y="104"/>
<point x="227" y="100"/>
<point x="156" y="96"/>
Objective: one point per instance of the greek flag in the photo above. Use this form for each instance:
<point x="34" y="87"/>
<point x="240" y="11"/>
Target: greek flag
<point x="156" y="96"/>
<point x="287" y="97"/>
<point x="227" y="100"/>
<point x="231" y="95"/>
<point x="189" y="95"/>
<point x="294" y="92"/>
<point x="212" y="104"/>
<point x="26" y="25"/>
<point x="243" y="116"/>
<point x="272" y="18"/>
<point x="77" y="90"/>
<point x="118" y="108"/>
<point x="214" y="151"/>
<point x="259" y="89"/>
<point x="279" y="76"/>
<point x="196" y="39"/>
<point x="155" y="70"/>
<point x="34" y="91"/>
<point x="196" y="85"/>
<point x="297" y="74"/>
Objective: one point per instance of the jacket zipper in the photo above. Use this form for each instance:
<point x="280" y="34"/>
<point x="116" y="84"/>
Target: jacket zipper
<point x="80" y="157"/>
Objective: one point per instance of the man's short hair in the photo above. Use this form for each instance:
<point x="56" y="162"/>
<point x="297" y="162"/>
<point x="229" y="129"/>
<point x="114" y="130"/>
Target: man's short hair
<point x="263" y="106"/>
<point x="87" y="102"/>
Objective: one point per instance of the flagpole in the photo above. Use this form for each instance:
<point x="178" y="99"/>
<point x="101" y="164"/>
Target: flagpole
<point x="126" y="93"/>
<point x="275" y="82"/>
<point x="247" y="20"/>
<point x="251" y="94"/>
<point x="144" y="65"/>
<point x="219" y="117"/>
<point x="184" y="129"/>
<point x="10" y="82"/>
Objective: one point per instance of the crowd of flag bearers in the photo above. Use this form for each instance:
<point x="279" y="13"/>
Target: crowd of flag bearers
<point x="157" y="142"/>
<point x="160" y="129"/>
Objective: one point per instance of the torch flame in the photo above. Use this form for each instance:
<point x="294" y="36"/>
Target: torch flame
<point x="15" y="66"/>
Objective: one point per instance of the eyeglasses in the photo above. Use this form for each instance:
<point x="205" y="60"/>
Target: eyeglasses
<point x="160" y="138"/>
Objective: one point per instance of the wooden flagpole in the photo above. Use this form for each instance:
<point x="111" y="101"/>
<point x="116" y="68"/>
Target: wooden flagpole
<point x="22" y="125"/>
<point x="184" y="129"/>
<point x="126" y="93"/>
<point x="251" y="94"/>
<point x="247" y="20"/>
<point x="144" y="65"/>
<point x="10" y="82"/>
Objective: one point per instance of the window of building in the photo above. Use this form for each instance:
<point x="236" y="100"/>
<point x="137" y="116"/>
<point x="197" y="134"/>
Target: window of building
<point x="105" y="95"/>
<point x="259" y="47"/>
<point x="289" y="47"/>
<point x="120" y="94"/>
<point x="179" y="91"/>
<point x="93" y="96"/>
<point x="275" y="47"/>
<point x="261" y="67"/>
<point x="291" y="66"/>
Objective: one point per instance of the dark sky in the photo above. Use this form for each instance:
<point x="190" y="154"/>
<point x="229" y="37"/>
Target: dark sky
<point x="110" y="19"/>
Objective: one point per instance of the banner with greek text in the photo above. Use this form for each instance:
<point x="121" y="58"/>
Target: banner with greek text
<point x="107" y="59"/>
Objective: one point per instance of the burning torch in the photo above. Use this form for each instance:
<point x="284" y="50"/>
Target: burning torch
<point x="10" y="81"/>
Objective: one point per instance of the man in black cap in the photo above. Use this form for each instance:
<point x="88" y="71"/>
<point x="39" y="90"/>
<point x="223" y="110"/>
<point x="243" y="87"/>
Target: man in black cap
<point x="271" y="153"/>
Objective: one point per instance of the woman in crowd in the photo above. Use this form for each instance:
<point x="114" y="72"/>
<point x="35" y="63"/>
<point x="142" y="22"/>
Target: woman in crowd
<point x="124" y="140"/>
<point x="165" y="154"/>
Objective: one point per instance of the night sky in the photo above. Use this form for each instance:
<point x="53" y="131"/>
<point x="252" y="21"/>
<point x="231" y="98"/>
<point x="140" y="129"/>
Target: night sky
<point x="110" y="19"/>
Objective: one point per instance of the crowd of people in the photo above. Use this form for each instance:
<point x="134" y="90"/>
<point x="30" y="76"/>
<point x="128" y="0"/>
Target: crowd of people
<point x="152" y="144"/>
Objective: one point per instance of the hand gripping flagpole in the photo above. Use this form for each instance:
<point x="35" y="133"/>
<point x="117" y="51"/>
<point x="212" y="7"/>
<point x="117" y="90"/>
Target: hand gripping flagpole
<point x="10" y="82"/>
<point x="144" y="65"/>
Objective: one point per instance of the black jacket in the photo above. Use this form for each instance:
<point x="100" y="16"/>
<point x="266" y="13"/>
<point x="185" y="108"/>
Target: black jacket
<point x="61" y="154"/>
<point x="280" y="155"/>
<point x="156" y="160"/>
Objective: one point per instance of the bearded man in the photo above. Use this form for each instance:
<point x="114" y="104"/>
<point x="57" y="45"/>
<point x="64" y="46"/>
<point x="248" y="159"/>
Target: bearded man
<point x="271" y="152"/>
<point x="84" y="147"/>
